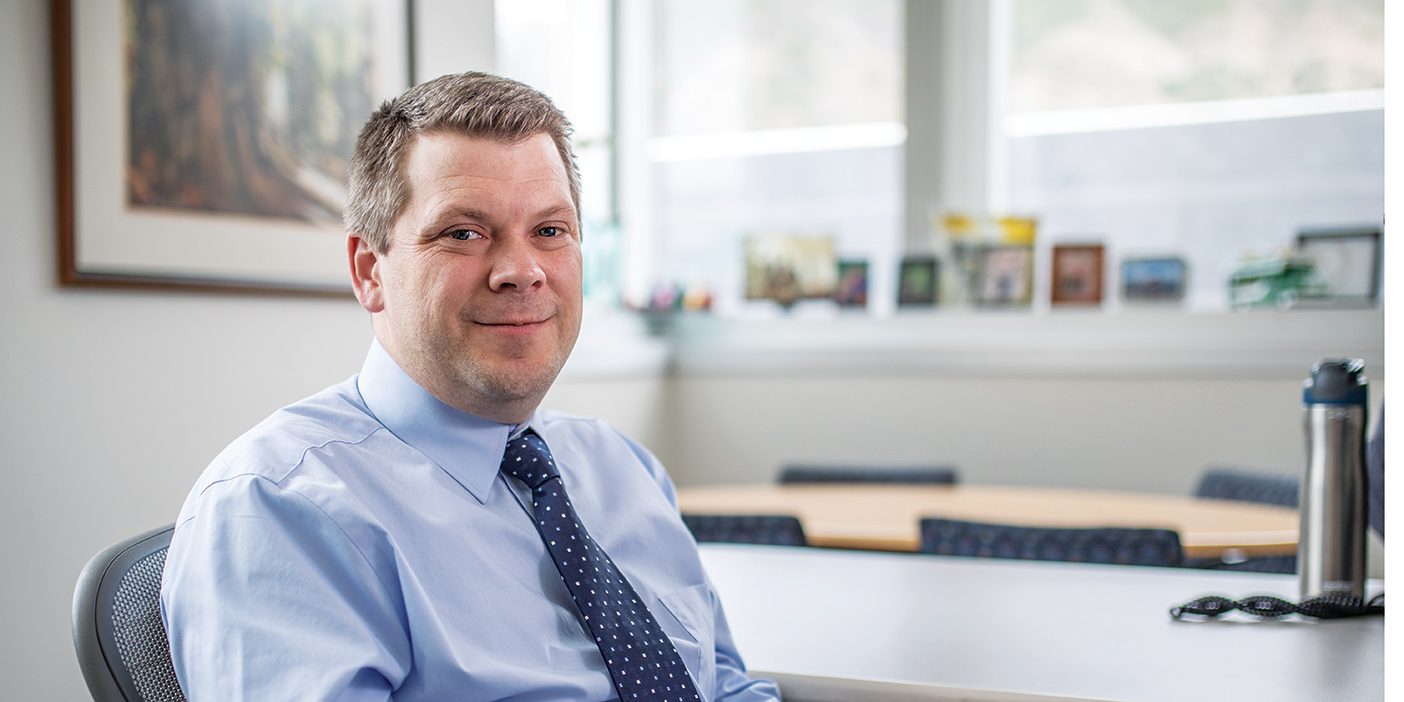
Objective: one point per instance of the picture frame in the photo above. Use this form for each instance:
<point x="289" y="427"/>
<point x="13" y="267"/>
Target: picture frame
<point x="1347" y="260"/>
<point x="1154" y="279"/>
<point x="1077" y="274"/>
<point x="1005" y="276"/>
<point x="918" y="280"/>
<point x="786" y="268"/>
<point x="852" y="287"/>
<point x="217" y="164"/>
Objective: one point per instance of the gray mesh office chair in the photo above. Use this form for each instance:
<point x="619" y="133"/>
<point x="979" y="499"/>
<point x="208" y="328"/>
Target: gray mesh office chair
<point x="1221" y="483"/>
<point x="1248" y="486"/>
<point x="117" y="628"/>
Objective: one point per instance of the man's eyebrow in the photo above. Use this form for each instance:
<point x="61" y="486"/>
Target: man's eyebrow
<point x="562" y="210"/>
<point x="461" y="211"/>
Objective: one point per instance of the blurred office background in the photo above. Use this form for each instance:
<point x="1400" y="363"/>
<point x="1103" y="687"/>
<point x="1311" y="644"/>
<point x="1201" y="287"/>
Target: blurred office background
<point x="1204" y="131"/>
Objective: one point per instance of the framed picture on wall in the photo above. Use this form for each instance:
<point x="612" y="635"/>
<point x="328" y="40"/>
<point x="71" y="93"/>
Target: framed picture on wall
<point x="1153" y="280"/>
<point x="1347" y="260"/>
<point x="1005" y="276"/>
<point x="206" y="146"/>
<point x="918" y="279"/>
<point x="1077" y="274"/>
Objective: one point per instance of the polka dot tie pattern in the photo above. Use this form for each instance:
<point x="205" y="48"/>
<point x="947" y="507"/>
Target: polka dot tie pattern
<point x="642" y="661"/>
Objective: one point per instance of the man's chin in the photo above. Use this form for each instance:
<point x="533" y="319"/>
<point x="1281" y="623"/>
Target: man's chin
<point x="514" y="382"/>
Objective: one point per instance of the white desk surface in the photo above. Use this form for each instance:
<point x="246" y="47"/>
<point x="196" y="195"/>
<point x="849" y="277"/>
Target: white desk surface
<point x="831" y="625"/>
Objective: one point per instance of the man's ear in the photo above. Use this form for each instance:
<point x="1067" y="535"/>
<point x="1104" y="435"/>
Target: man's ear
<point x="365" y="272"/>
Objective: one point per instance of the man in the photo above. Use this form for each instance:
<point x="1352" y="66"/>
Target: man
<point x="383" y="539"/>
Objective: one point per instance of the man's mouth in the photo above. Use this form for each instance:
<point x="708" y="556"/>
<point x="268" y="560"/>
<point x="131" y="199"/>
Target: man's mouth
<point x="509" y="323"/>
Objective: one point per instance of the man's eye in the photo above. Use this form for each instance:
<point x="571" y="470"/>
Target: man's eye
<point x="463" y="234"/>
<point x="549" y="231"/>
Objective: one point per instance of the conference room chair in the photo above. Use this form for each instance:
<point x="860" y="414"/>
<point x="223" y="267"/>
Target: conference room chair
<point x="797" y="474"/>
<point x="773" y="529"/>
<point x="117" y="629"/>
<point x="1121" y="546"/>
<point x="1224" y="483"/>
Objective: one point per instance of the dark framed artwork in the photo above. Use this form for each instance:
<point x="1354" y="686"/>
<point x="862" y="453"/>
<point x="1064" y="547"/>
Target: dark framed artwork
<point x="204" y="145"/>
<point x="1006" y="276"/>
<point x="852" y="289"/>
<point x="1346" y="260"/>
<point x="1153" y="279"/>
<point x="1077" y="274"/>
<point x="918" y="279"/>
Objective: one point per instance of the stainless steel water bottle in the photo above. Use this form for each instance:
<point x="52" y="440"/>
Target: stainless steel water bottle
<point x="1331" y="546"/>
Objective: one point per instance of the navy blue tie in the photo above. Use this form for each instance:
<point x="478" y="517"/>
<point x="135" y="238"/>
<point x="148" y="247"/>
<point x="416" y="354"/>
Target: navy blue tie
<point x="641" y="659"/>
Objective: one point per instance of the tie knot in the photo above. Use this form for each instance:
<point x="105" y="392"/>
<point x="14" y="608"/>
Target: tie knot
<point x="529" y="460"/>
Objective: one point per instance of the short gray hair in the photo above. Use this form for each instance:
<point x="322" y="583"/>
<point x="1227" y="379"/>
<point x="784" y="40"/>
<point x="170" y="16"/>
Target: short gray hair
<point x="475" y="104"/>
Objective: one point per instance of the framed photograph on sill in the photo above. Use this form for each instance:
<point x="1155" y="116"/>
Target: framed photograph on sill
<point x="787" y="268"/>
<point x="1077" y="274"/>
<point x="1153" y="280"/>
<point x="1347" y="260"/>
<point x="205" y="147"/>
<point x="918" y="280"/>
<point x="852" y="288"/>
<point x="1005" y="276"/>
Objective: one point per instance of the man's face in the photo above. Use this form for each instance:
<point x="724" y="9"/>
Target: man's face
<point x="478" y="297"/>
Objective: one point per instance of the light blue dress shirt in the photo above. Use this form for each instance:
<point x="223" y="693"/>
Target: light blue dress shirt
<point x="361" y="545"/>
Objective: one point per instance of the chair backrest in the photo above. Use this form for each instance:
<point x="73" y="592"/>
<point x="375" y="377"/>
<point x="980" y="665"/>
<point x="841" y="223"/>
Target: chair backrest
<point x="774" y="529"/>
<point x="794" y="474"/>
<point x="117" y="629"/>
<point x="1248" y="486"/>
<point x="1123" y="546"/>
<point x="1219" y="483"/>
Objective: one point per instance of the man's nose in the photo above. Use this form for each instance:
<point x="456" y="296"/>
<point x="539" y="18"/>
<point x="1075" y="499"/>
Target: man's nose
<point x="515" y="265"/>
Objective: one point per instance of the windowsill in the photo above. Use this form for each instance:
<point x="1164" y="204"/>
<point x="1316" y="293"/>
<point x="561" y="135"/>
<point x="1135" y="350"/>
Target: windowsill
<point x="1054" y="343"/>
<point x="1073" y="343"/>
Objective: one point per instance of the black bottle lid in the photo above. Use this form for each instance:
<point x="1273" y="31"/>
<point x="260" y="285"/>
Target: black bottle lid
<point x="1336" y="381"/>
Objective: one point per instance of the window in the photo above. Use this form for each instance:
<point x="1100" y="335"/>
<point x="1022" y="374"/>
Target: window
<point x="1079" y="54"/>
<point x="1210" y="130"/>
<point x="767" y="117"/>
<point x="565" y="49"/>
<point x="1205" y="129"/>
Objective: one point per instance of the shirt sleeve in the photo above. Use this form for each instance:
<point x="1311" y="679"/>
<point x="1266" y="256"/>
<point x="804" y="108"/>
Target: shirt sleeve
<point x="733" y="683"/>
<point x="265" y="597"/>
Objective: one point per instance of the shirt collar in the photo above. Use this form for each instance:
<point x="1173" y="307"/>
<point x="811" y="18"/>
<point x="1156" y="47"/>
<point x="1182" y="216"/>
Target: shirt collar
<point x="467" y="447"/>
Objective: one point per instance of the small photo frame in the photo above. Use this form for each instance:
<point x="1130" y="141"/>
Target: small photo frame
<point x="1005" y="275"/>
<point x="918" y="279"/>
<point x="1077" y="274"/>
<point x="788" y="268"/>
<point x="1347" y="260"/>
<point x="1153" y="279"/>
<point x="852" y="290"/>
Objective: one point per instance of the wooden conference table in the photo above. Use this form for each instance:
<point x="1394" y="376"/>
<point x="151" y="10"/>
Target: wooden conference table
<point x="833" y="625"/>
<point x="885" y="517"/>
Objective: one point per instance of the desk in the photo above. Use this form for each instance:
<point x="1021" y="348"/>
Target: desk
<point x="885" y="517"/>
<point x="831" y="625"/>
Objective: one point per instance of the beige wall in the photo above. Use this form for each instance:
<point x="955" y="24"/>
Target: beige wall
<point x="1114" y="433"/>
